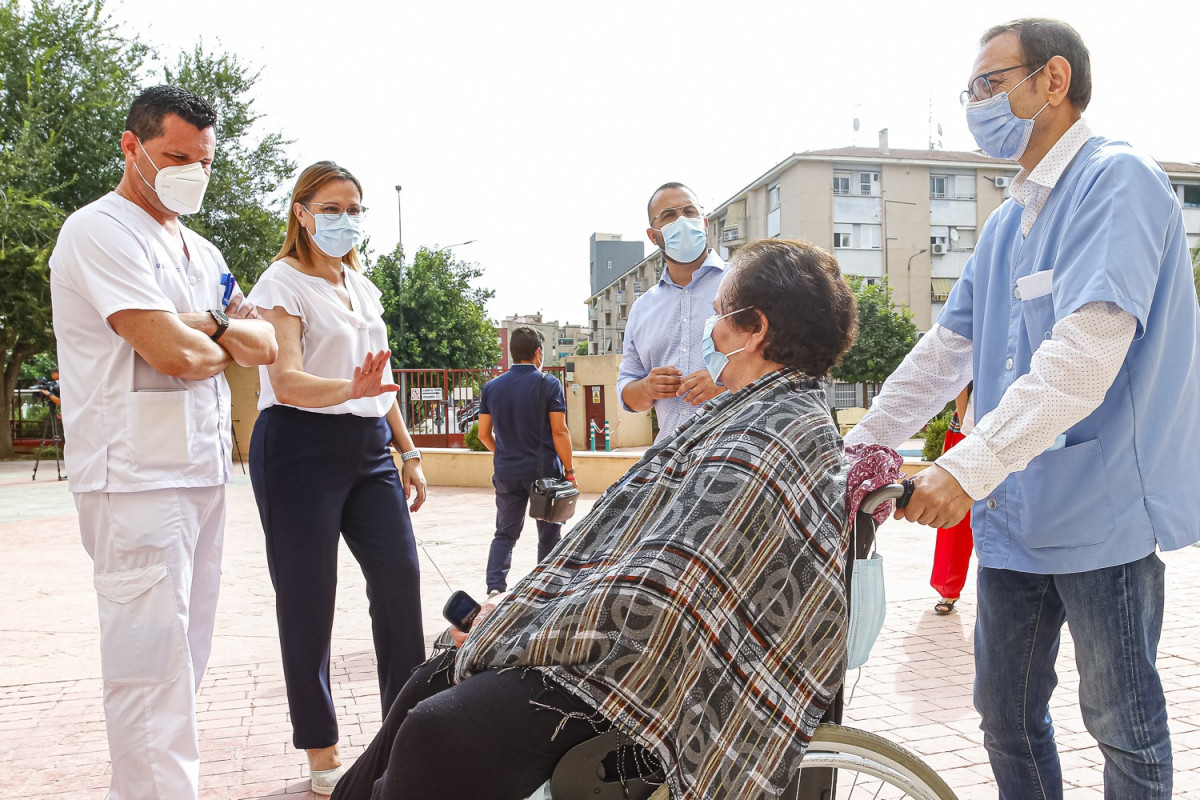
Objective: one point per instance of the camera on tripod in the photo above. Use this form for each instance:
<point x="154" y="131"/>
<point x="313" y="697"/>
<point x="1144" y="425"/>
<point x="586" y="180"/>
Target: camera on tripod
<point x="47" y="385"/>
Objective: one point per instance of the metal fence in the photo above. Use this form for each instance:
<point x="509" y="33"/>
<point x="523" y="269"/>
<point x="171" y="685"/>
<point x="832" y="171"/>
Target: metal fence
<point x="851" y="395"/>
<point x="441" y="405"/>
<point x="29" y="417"/>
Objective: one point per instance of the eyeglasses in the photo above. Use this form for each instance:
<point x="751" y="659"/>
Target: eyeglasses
<point x="669" y="215"/>
<point x="981" y="85"/>
<point x="332" y="211"/>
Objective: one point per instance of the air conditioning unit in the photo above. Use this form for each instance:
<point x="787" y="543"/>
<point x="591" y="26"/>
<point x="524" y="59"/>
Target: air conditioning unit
<point x="1002" y="183"/>
<point x="938" y="249"/>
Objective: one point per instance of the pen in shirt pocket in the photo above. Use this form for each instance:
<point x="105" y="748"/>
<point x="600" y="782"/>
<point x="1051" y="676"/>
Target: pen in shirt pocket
<point x="228" y="282"/>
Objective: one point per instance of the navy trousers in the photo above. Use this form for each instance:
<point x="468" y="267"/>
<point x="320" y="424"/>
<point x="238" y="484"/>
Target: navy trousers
<point x="512" y="500"/>
<point x="317" y="477"/>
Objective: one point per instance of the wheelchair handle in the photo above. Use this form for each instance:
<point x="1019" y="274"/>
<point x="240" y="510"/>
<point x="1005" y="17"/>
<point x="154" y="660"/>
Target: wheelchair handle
<point x="900" y="492"/>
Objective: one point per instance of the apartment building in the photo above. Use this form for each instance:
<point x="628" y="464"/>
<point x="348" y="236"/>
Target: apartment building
<point x="610" y="257"/>
<point x="912" y="216"/>
<point x="608" y="308"/>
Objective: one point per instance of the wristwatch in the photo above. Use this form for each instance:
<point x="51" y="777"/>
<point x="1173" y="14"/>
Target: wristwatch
<point x="222" y="322"/>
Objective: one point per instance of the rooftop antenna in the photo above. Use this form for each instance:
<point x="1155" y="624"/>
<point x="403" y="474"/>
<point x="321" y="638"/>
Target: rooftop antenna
<point x="932" y="144"/>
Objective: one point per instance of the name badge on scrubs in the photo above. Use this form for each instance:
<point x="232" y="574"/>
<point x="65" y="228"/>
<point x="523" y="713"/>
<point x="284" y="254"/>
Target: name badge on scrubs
<point x="1036" y="285"/>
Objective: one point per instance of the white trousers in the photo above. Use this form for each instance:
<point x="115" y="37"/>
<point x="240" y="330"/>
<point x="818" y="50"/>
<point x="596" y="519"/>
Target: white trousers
<point x="157" y="558"/>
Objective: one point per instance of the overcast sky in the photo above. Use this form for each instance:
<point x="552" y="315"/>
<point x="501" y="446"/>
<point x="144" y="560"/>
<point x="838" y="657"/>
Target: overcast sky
<point x="528" y="126"/>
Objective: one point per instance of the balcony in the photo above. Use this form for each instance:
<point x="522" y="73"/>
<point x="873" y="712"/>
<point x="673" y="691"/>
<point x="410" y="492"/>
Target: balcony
<point x="735" y="231"/>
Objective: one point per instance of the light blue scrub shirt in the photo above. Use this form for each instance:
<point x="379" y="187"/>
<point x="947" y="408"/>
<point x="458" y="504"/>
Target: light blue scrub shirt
<point x="1128" y="479"/>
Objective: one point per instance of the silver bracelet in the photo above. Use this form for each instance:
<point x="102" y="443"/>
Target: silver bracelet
<point x="408" y="455"/>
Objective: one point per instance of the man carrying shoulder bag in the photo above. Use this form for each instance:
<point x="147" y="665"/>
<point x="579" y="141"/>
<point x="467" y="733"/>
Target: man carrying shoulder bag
<point x="523" y="421"/>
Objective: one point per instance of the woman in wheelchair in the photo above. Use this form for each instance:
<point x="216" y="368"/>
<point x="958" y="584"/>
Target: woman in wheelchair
<point x="698" y="608"/>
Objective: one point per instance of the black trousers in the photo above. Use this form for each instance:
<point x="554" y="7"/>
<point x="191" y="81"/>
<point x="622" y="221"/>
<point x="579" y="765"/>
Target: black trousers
<point x="317" y="477"/>
<point x="477" y="740"/>
<point x="512" y="501"/>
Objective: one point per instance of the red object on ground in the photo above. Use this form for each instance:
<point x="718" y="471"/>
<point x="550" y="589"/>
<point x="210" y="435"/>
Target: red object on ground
<point x="952" y="553"/>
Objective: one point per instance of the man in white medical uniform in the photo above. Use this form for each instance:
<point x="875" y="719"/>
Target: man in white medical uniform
<point x="147" y="318"/>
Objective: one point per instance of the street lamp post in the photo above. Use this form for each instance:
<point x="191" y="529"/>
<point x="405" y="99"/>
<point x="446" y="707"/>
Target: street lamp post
<point x="457" y="244"/>
<point x="399" y="227"/>
<point x="909" y="273"/>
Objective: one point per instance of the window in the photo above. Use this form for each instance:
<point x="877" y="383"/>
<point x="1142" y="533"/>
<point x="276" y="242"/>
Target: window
<point x="937" y="186"/>
<point x="608" y="319"/>
<point x="621" y="311"/>
<point x="964" y="187"/>
<point x="867" y="183"/>
<point x="841" y="239"/>
<point x="1191" y="196"/>
<point x="867" y="237"/>
<point x="773" y="214"/>
<point x="841" y="183"/>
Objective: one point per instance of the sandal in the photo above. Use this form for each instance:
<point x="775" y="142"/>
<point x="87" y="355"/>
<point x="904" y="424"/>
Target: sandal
<point x="945" y="605"/>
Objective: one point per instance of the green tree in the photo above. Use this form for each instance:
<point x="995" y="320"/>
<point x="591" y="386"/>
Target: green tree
<point x="885" y="335"/>
<point x="581" y="349"/>
<point x="435" y="315"/>
<point x="68" y="75"/>
<point x="1196" y="269"/>
<point x="66" y="79"/>
<point x="243" y="212"/>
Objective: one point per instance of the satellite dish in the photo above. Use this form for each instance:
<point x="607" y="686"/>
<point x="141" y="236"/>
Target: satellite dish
<point x="939" y="129"/>
<point x="856" y="123"/>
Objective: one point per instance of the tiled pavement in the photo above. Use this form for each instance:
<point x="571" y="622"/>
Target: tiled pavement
<point x="916" y="689"/>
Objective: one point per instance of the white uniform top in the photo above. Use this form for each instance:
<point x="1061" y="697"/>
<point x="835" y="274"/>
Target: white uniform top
<point x="333" y="339"/>
<point x="128" y="427"/>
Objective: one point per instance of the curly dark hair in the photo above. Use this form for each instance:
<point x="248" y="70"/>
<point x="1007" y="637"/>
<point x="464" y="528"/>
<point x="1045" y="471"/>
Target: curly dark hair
<point x="812" y="316"/>
<point x="148" y="109"/>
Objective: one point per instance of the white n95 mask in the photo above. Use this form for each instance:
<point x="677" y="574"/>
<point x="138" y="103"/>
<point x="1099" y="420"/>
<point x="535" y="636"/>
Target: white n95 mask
<point x="180" y="189"/>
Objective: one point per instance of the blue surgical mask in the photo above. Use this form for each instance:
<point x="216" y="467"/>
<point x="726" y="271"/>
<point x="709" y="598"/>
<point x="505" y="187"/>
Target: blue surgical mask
<point x="338" y="236"/>
<point x="997" y="130"/>
<point x="715" y="361"/>
<point x="685" y="239"/>
<point x="868" y="606"/>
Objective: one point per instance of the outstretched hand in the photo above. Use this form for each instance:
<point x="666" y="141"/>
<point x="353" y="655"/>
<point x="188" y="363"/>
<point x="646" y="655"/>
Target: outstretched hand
<point x="368" y="379"/>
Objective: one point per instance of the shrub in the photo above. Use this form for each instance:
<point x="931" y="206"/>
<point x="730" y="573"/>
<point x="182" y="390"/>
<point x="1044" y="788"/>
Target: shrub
<point x="935" y="434"/>
<point x="471" y="438"/>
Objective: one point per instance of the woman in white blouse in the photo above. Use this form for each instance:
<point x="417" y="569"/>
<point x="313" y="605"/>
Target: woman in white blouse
<point x="320" y="464"/>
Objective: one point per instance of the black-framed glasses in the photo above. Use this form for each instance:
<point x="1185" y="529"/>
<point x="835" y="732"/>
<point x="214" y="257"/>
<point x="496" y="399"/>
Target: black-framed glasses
<point x="669" y="215"/>
<point x="981" y="85"/>
<point x="332" y="211"/>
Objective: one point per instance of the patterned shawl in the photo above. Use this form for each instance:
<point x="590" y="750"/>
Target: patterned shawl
<point x="700" y="606"/>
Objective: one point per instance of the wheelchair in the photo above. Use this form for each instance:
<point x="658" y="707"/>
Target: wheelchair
<point x="841" y="763"/>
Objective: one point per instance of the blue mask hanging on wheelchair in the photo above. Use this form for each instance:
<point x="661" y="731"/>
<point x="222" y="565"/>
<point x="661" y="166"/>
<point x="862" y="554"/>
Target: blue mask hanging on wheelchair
<point x="868" y="601"/>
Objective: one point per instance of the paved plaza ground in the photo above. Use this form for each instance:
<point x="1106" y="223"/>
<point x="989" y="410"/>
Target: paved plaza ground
<point x="915" y="690"/>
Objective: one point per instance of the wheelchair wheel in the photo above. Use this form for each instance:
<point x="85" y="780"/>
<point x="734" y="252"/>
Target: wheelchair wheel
<point x="857" y="764"/>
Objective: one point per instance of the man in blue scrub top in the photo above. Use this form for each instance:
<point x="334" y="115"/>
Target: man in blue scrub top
<point x="662" y="362"/>
<point x="1077" y="316"/>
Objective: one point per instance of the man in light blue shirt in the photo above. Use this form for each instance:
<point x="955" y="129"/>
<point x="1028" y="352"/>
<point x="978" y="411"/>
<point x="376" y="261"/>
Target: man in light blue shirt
<point x="1077" y="315"/>
<point x="663" y="363"/>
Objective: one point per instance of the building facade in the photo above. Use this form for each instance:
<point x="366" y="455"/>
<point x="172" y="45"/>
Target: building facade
<point x="910" y="216"/>
<point x="611" y="257"/>
<point x="608" y="308"/>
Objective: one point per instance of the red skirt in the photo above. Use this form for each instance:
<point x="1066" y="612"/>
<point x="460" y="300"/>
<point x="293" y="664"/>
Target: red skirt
<point x="952" y="553"/>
